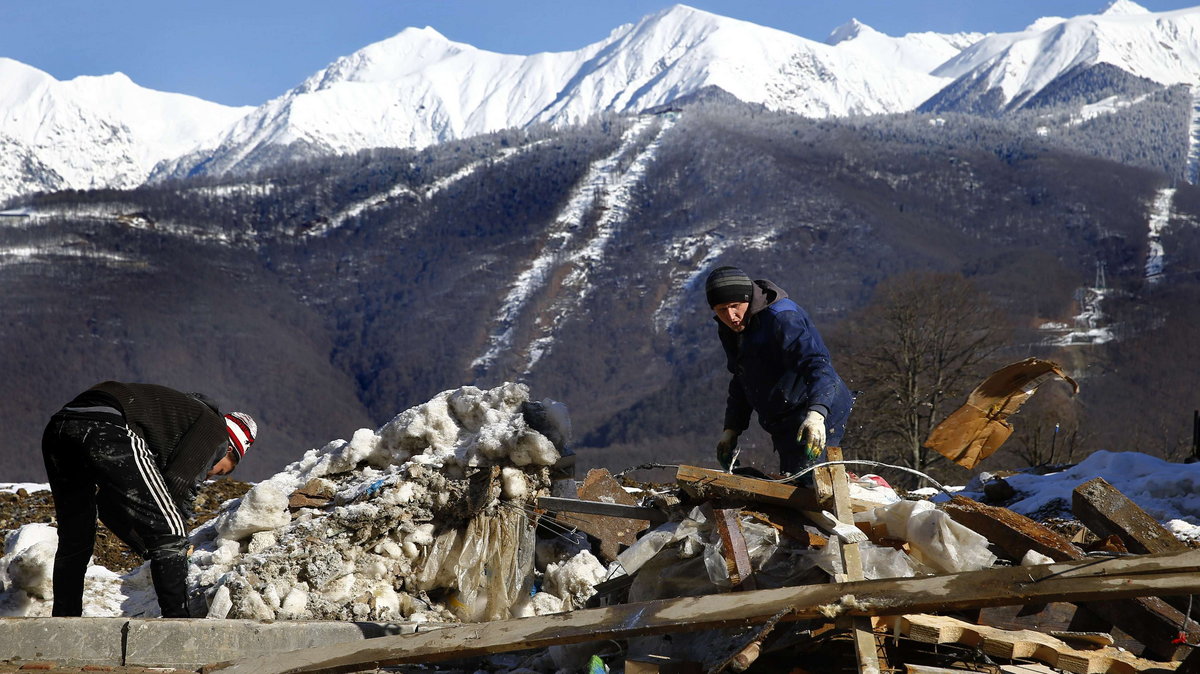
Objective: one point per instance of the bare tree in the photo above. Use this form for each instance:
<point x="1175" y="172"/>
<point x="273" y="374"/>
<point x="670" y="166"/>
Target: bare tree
<point x="924" y="341"/>
<point x="1048" y="429"/>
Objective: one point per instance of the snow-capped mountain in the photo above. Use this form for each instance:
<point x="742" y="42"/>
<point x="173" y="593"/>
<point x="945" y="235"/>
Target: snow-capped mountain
<point x="1008" y="70"/>
<point x="419" y="88"/>
<point x="93" y="131"/>
<point x="922" y="52"/>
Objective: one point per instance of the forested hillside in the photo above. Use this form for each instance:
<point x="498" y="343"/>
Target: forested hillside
<point x="327" y="296"/>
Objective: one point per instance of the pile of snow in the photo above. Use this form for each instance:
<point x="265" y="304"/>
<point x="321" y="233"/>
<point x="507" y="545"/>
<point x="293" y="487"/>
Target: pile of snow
<point x="423" y="519"/>
<point x="1168" y="492"/>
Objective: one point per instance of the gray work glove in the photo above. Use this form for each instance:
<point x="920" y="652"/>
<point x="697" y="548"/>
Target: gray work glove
<point x="725" y="448"/>
<point x="811" y="435"/>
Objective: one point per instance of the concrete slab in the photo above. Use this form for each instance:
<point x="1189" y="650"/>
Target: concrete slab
<point x="177" y="643"/>
<point x="70" y="641"/>
<point x="190" y="643"/>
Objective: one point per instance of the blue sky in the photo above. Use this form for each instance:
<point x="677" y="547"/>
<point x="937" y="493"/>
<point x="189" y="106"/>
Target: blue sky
<point x="246" y="52"/>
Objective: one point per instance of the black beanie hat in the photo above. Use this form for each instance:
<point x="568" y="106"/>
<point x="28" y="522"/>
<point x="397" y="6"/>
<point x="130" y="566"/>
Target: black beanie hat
<point x="727" y="284"/>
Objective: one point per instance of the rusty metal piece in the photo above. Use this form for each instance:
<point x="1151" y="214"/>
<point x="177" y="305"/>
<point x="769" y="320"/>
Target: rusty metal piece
<point x="978" y="428"/>
<point x="614" y="533"/>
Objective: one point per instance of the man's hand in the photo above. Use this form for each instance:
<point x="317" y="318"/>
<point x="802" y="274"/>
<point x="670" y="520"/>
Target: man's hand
<point x="812" y="434"/>
<point x="725" y="447"/>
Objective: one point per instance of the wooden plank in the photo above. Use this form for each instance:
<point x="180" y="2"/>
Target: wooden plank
<point x="865" y="646"/>
<point x="1171" y="573"/>
<point x="1022" y="644"/>
<point x="1013" y="533"/>
<point x="741" y="572"/>
<point x="573" y="505"/>
<point x="705" y="483"/>
<point x="1150" y="620"/>
<point x="1108" y="512"/>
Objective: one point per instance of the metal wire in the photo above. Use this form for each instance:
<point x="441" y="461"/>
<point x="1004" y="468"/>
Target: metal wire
<point x="877" y="464"/>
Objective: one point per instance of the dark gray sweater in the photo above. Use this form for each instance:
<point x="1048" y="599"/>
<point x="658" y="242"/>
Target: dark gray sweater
<point x="185" y="435"/>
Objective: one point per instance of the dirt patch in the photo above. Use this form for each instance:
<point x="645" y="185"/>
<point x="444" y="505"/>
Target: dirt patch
<point x="23" y="507"/>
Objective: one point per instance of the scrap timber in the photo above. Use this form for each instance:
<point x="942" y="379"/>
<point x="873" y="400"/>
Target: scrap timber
<point x="1126" y="591"/>
<point x="1021" y="644"/>
<point x="1148" y="619"/>
<point x="1083" y="580"/>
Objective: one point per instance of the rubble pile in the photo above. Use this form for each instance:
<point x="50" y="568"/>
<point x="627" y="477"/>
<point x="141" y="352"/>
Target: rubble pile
<point x="425" y="519"/>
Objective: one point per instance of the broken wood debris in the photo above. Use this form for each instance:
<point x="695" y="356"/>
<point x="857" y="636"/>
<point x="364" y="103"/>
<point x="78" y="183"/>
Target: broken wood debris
<point x="1149" y="619"/>
<point x="1124" y="591"/>
<point x="1160" y="574"/>
<point x="1021" y="644"/>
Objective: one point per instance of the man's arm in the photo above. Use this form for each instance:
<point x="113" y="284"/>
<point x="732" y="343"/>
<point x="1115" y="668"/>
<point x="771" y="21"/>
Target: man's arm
<point x="809" y="375"/>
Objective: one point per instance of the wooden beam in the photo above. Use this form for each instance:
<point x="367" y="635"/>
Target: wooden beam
<point x="1108" y="512"/>
<point x="1150" y="620"/>
<point x="704" y="483"/>
<point x="865" y="646"/>
<point x="1013" y="533"/>
<point x="574" y="505"/>
<point x="1172" y="573"/>
<point x="737" y="558"/>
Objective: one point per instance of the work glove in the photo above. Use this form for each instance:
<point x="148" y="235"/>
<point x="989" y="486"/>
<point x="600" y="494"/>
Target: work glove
<point x="811" y="435"/>
<point x="725" y="448"/>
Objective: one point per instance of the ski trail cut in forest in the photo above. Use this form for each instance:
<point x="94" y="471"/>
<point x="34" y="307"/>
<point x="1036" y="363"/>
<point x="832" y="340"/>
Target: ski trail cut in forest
<point x="614" y="204"/>
<point x="1160" y="215"/>
<point x="1193" y="156"/>
<point x="403" y="189"/>
<point x="693" y="256"/>
<point x="574" y="244"/>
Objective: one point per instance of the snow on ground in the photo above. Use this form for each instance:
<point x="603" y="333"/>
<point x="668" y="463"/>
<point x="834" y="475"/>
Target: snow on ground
<point x="14" y="487"/>
<point x="422" y="519"/>
<point x="1193" y="156"/>
<point x="391" y="526"/>
<point x="402" y="189"/>
<point x="1160" y="215"/>
<point x="1168" y="492"/>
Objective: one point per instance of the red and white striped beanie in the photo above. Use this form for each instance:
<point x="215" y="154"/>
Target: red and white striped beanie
<point x="241" y="430"/>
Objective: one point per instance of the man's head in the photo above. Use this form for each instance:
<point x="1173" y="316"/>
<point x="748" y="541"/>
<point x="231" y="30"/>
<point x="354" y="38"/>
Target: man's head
<point x="241" y="431"/>
<point x="728" y="290"/>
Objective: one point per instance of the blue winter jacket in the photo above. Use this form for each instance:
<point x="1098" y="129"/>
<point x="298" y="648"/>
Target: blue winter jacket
<point x="781" y="369"/>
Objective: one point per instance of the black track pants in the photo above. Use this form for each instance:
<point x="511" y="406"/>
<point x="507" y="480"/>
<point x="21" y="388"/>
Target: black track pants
<point x="105" y="468"/>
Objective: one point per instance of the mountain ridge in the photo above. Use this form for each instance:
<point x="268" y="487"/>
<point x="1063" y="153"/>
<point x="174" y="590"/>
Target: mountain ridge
<point x="418" y="88"/>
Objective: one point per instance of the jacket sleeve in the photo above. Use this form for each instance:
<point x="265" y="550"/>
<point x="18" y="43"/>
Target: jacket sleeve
<point x="809" y="378"/>
<point x="737" y="408"/>
<point x="737" y="405"/>
<point x="198" y="449"/>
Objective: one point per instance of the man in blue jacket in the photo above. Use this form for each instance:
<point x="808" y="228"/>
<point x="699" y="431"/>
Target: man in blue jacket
<point x="781" y="370"/>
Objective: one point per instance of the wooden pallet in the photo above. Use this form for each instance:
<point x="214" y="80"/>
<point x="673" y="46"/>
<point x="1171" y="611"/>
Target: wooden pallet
<point x="1022" y="644"/>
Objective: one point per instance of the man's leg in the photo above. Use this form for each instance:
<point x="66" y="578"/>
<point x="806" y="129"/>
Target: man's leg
<point x="143" y="513"/>
<point x="74" y="507"/>
<point x="792" y="457"/>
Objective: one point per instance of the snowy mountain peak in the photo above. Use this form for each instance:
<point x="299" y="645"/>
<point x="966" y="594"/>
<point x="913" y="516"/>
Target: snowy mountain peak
<point x="847" y="31"/>
<point x="1123" y="7"/>
<point x="408" y="51"/>
<point x="1162" y="47"/>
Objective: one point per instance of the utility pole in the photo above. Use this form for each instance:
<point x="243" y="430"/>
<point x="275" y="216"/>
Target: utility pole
<point x="1195" y="437"/>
